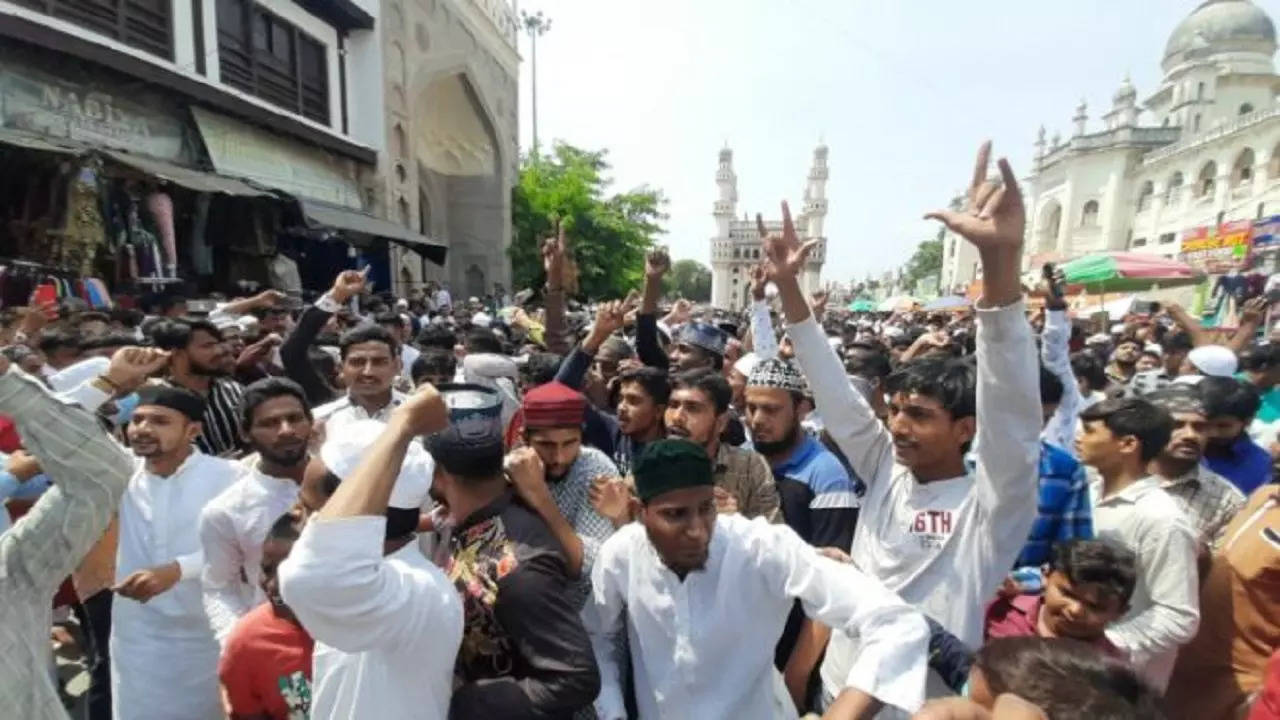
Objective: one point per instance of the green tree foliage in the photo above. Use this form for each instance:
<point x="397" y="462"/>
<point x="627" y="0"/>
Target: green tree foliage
<point x="608" y="235"/>
<point x="926" y="261"/>
<point x="688" y="279"/>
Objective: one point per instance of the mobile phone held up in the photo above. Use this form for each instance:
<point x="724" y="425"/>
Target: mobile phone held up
<point x="46" y="296"/>
<point x="1051" y="279"/>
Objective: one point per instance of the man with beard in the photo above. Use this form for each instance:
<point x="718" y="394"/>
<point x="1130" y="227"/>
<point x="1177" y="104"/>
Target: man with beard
<point x="1124" y="361"/>
<point x="818" y="499"/>
<point x="698" y="411"/>
<point x="701" y="654"/>
<point x="553" y="415"/>
<point x="1230" y="406"/>
<point x="276" y="424"/>
<point x="266" y="668"/>
<point x="1209" y="501"/>
<point x="199" y="365"/>
<point x="164" y="657"/>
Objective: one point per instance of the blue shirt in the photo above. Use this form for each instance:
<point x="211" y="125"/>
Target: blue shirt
<point x="1245" y="464"/>
<point x="1062" y="511"/>
<point x="817" y="497"/>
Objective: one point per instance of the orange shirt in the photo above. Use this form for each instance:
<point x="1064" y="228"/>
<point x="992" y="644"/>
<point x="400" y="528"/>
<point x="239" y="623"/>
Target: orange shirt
<point x="1239" y="617"/>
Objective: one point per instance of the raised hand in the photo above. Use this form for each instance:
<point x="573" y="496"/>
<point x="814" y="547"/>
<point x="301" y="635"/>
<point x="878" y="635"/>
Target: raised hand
<point x="269" y="298"/>
<point x="528" y="476"/>
<point x="610" y="317"/>
<point x="348" y="284"/>
<point x="611" y="498"/>
<point x="759" y="281"/>
<point x="995" y="217"/>
<point x="553" y="258"/>
<point x="785" y="252"/>
<point x="1254" y="310"/>
<point x="656" y="264"/>
<point x="424" y="412"/>
<point x="726" y="502"/>
<point x="36" y="317"/>
<point x="131" y="366"/>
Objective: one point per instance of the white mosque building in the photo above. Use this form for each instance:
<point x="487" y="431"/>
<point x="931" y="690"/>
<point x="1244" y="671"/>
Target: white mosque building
<point x="736" y="247"/>
<point x="1201" y="150"/>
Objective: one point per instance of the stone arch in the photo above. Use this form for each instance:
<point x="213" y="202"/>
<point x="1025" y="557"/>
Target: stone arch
<point x="399" y="68"/>
<point x="475" y="281"/>
<point x="1089" y="214"/>
<point x="1273" y="163"/>
<point x="1242" y="168"/>
<point x="1207" y="179"/>
<point x="400" y="142"/>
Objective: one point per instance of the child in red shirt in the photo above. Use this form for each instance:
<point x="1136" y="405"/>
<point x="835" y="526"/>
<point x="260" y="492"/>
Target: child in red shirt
<point x="266" y="665"/>
<point x="1087" y="586"/>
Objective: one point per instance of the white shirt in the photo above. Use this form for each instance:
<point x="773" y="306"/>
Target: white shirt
<point x="164" y="658"/>
<point x="387" y="629"/>
<point x="159" y="517"/>
<point x="443" y="301"/>
<point x="233" y="527"/>
<point x="946" y="545"/>
<point x="1164" y="611"/>
<point x="1055" y="352"/>
<point x="408" y="355"/>
<point x="343" y="410"/>
<point x="703" y="648"/>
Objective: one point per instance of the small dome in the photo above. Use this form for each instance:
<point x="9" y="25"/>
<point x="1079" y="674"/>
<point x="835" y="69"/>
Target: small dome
<point x="1222" y="26"/>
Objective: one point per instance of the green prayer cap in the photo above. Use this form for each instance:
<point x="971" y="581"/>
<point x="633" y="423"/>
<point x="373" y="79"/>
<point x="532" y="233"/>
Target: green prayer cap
<point x="666" y="465"/>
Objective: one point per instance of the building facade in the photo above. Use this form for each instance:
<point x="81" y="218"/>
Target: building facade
<point x="450" y="92"/>
<point x="735" y="249"/>
<point x="1202" y="150"/>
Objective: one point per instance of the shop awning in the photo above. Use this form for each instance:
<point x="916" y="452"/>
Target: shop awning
<point x="320" y="214"/>
<point x="17" y="138"/>
<point x="191" y="179"/>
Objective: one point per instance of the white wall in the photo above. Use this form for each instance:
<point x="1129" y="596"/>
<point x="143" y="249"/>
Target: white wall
<point x="367" y="119"/>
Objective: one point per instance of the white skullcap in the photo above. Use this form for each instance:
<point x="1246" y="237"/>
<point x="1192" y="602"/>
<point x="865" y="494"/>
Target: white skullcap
<point x="1154" y="348"/>
<point x="481" y="319"/>
<point x="746" y="364"/>
<point x="71" y="376"/>
<point x="1117" y="329"/>
<point x="893" y="331"/>
<point x="1098" y="339"/>
<point x="1214" y="360"/>
<point x="342" y="452"/>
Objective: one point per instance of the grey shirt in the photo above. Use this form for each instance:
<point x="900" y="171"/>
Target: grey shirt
<point x="89" y="472"/>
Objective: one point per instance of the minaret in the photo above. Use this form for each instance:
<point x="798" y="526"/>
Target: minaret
<point x="722" y="244"/>
<point x="1081" y="118"/>
<point x="727" y="181"/>
<point x="815" y="212"/>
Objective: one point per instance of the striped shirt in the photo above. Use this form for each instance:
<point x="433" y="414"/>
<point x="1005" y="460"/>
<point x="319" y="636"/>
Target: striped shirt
<point x="220" y="434"/>
<point x="1063" y="511"/>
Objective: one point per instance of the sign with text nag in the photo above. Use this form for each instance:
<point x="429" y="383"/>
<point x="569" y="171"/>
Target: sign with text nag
<point x="1217" y="250"/>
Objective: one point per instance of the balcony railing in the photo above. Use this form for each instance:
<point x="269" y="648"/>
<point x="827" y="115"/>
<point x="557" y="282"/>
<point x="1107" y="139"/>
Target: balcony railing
<point x="1214" y="133"/>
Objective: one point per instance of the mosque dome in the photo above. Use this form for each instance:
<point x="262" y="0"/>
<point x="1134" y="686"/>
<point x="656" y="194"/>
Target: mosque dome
<point x="1125" y="92"/>
<point x="1219" y="26"/>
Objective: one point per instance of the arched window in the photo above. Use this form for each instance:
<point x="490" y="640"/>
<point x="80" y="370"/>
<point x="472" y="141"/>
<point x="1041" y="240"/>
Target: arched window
<point x="1089" y="216"/>
<point x="1173" y="189"/>
<point x="1147" y="192"/>
<point x="1221" y="216"/>
<point x="1050" y="224"/>
<point x="1195" y="123"/>
<point x="1206" y="182"/>
<point x="1242" y="172"/>
<point x="1200" y="91"/>
<point x="1262" y="210"/>
<point x="1273" y="165"/>
<point x="735" y="253"/>
<point x="1245" y="109"/>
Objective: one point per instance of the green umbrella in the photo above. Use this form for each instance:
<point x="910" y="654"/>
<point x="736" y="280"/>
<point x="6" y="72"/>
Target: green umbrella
<point x="862" y="305"/>
<point x="1127" y="272"/>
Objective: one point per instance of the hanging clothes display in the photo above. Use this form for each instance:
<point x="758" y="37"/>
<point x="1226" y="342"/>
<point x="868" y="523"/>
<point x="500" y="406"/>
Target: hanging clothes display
<point x="84" y="231"/>
<point x="161" y="207"/>
<point x="201" y="250"/>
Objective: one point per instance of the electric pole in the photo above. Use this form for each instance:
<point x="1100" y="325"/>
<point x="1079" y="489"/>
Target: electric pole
<point x="535" y="25"/>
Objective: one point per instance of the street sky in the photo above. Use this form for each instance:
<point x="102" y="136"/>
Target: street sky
<point x="902" y="91"/>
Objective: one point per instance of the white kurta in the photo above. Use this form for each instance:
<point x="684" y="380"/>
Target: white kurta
<point x="164" y="659"/>
<point x="703" y="647"/>
<point x="233" y="527"/>
<point x="387" y="629"/>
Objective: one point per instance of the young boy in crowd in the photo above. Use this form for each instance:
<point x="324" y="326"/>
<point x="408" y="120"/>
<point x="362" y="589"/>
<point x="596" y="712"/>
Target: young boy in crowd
<point x="266" y="666"/>
<point x="1087" y="586"/>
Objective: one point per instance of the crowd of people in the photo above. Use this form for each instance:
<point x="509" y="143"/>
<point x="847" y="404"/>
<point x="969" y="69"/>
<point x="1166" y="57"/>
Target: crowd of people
<point x="381" y="507"/>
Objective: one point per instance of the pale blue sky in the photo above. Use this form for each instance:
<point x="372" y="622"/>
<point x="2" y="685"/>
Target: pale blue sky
<point x="902" y="91"/>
